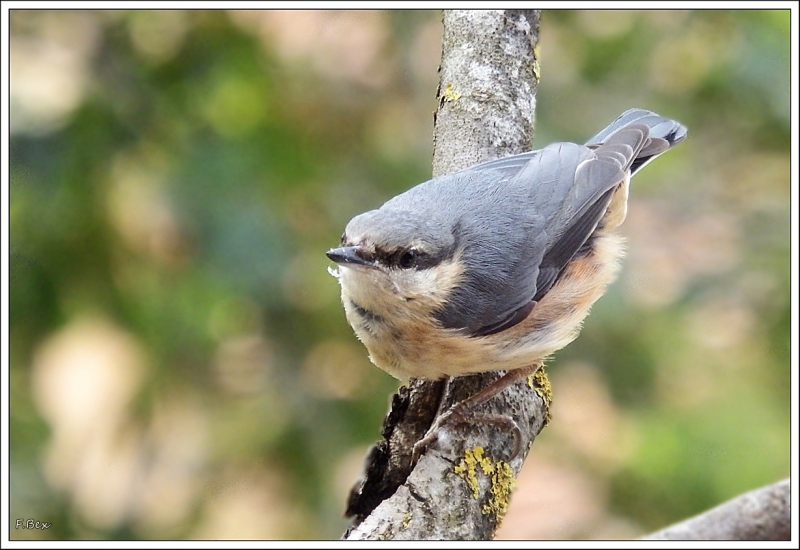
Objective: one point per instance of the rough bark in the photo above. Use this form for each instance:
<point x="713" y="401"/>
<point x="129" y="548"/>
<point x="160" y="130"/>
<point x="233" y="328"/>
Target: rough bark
<point x="460" y="488"/>
<point x="487" y="88"/>
<point x="762" y="514"/>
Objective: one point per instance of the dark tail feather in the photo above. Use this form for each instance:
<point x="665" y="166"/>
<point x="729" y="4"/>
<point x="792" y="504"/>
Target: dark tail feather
<point x="664" y="133"/>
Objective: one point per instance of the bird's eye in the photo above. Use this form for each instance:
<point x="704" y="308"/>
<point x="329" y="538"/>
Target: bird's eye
<point x="407" y="259"/>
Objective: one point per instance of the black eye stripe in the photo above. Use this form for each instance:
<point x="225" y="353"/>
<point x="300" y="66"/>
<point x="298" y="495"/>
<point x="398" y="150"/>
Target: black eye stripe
<point x="408" y="258"/>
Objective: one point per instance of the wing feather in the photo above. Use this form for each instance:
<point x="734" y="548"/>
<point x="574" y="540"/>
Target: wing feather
<point x="521" y="219"/>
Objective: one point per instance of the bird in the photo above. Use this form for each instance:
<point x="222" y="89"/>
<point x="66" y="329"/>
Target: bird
<point x="495" y="267"/>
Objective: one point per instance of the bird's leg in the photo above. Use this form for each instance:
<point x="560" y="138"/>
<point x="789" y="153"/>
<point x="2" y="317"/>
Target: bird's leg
<point x="464" y="411"/>
<point x="443" y="397"/>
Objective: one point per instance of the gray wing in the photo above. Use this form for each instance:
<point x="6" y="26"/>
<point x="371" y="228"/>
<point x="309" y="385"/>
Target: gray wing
<point x="530" y="225"/>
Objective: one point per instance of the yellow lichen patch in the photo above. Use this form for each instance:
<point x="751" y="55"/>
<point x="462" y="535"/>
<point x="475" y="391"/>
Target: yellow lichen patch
<point x="503" y="484"/>
<point x="541" y="385"/>
<point x="450" y="94"/>
<point x="406" y="520"/>
<point x="500" y="475"/>
<point x="466" y="469"/>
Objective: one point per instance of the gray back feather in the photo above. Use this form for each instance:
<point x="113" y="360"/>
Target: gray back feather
<point x="519" y="220"/>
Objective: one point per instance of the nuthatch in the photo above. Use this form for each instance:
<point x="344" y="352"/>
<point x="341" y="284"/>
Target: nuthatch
<point x="494" y="267"/>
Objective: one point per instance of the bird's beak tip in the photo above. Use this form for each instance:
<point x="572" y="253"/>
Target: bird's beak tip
<point x="332" y="254"/>
<point x="348" y="255"/>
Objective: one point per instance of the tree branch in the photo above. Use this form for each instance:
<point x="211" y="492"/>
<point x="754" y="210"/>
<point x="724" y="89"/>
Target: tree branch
<point x="487" y="88"/>
<point x="762" y="514"/>
<point x="460" y="488"/>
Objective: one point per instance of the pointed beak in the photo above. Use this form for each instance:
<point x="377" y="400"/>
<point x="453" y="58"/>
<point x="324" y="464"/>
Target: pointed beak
<point x="348" y="255"/>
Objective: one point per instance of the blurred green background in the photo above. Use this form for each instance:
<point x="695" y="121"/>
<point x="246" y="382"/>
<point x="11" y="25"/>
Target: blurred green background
<point x="180" y="363"/>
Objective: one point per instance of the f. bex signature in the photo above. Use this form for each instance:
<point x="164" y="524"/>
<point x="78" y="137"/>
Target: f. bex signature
<point x="32" y="524"/>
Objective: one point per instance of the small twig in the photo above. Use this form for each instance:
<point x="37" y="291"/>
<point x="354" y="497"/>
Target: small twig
<point x="762" y="514"/>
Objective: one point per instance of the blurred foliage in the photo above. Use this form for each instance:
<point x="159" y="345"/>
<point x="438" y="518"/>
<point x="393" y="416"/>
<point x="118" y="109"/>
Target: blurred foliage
<point x="180" y="363"/>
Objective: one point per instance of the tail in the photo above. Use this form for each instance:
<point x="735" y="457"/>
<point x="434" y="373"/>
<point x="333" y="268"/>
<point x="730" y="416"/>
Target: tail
<point x="664" y="133"/>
